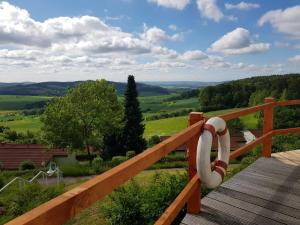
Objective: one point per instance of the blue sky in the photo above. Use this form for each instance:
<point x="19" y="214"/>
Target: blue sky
<point x="201" y="40"/>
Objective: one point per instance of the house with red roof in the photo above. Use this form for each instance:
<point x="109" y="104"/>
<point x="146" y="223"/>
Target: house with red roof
<point x="12" y="155"/>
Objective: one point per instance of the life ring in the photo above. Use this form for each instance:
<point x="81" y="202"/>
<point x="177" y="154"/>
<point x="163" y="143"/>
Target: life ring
<point x="212" y="176"/>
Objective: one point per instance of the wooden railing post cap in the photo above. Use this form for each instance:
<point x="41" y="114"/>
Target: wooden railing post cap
<point x="196" y="115"/>
<point x="269" y="99"/>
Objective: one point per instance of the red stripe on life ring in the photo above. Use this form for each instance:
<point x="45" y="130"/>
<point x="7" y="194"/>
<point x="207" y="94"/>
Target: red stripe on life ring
<point x="221" y="164"/>
<point x="210" y="128"/>
<point x="219" y="171"/>
<point x="221" y="133"/>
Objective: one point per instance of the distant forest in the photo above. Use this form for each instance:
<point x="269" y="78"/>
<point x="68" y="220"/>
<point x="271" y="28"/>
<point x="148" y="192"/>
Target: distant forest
<point x="249" y="91"/>
<point x="61" y="88"/>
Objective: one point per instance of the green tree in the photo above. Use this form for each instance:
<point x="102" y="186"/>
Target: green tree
<point x="82" y="118"/>
<point x="134" y="128"/>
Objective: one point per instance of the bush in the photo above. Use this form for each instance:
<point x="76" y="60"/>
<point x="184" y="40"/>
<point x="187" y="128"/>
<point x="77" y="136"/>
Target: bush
<point x="180" y="156"/>
<point x="286" y="142"/>
<point x="97" y="163"/>
<point x="85" y="157"/>
<point x="135" y="204"/>
<point x="27" y="165"/>
<point x="118" y="159"/>
<point x="235" y="125"/>
<point x="153" y="140"/>
<point x="76" y="170"/>
<point x="32" y="196"/>
<point x="169" y="165"/>
<point x="11" y="135"/>
<point x="1" y="182"/>
<point x="130" y="154"/>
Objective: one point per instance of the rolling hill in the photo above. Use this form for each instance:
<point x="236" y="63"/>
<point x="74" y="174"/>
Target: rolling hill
<point x="60" y="88"/>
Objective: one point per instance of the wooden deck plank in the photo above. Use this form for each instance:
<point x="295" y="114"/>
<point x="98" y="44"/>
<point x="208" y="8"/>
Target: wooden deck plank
<point x="267" y="192"/>
<point x="237" y="213"/>
<point x="258" y="210"/>
<point x="269" y="183"/>
<point x="213" y="216"/>
<point x="264" y="195"/>
<point x="268" y="204"/>
<point x="275" y="180"/>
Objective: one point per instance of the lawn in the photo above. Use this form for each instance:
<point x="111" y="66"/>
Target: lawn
<point x="250" y="121"/>
<point x="24" y="123"/>
<point x="173" y="125"/>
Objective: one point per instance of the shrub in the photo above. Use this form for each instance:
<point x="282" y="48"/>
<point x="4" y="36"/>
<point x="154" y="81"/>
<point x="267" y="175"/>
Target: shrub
<point x="76" y="170"/>
<point x="153" y="140"/>
<point x="27" y="165"/>
<point x="11" y="135"/>
<point x="97" y="163"/>
<point x="1" y="182"/>
<point x="247" y="161"/>
<point x="32" y="196"/>
<point x="134" y="204"/>
<point x="118" y="159"/>
<point x="85" y="157"/>
<point x="174" y="157"/>
<point x="130" y="154"/>
<point x="235" y="125"/>
<point x="126" y="206"/>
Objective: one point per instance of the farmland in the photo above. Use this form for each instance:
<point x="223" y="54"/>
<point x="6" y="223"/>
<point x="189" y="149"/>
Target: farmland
<point x="11" y="115"/>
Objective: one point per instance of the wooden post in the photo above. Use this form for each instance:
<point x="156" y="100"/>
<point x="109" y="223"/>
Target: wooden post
<point x="268" y="126"/>
<point x="194" y="204"/>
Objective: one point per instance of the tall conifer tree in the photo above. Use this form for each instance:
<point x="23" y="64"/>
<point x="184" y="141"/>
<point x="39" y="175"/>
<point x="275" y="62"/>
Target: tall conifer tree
<point x="134" y="128"/>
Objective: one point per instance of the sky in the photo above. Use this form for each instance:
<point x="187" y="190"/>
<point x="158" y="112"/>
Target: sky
<point x="155" y="40"/>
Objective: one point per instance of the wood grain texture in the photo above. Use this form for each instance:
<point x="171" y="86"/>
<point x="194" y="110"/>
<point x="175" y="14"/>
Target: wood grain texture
<point x="266" y="192"/>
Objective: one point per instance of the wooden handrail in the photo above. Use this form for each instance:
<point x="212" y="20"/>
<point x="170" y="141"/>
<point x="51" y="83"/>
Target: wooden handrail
<point x="288" y="102"/>
<point x="72" y="202"/>
<point x="171" y="212"/>
<point x="60" y="209"/>
<point x="243" y="112"/>
<point x="168" y="216"/>
<point x="286" y="131"/>
<point x="248" y="146"/>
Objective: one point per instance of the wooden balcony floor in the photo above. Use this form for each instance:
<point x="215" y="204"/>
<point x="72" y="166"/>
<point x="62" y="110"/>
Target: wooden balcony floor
<point x="266" y="192"/>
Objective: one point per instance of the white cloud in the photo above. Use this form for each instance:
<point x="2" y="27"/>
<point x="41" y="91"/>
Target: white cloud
<point x="156" y="35"/>
<point x="285" y="21"/>
<point x="193" y="55"/>
<point x="174" y="4"/>
<point x="237" y="42"/>
<point x="295" y="59"/>
<point x="242" y="6"/>
<point x="210" y="10"/>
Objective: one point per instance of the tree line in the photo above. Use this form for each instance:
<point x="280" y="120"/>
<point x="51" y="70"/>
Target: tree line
<point x="249" y="91"/>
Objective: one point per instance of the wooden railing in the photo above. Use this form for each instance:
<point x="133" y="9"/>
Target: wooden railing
<point x="67" y="205"/>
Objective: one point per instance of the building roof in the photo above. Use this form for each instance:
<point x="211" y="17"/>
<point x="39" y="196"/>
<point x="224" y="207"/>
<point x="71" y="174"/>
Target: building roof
<point x="12" y="155"/>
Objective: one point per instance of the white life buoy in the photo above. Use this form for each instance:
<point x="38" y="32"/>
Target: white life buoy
<point x="212" y="176"/>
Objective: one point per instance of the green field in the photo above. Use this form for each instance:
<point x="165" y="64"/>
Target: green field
<point x="150" y="105"/>
<point x="173" y="125"/>
<point x="13" y="102"/>
<point x="22" y="124"/>
<point x="160" y="127"/>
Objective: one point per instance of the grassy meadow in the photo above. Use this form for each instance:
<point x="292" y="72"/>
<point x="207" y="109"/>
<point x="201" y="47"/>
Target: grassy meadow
<point x="11" y="115"/>
<point x="15" y="102"/>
